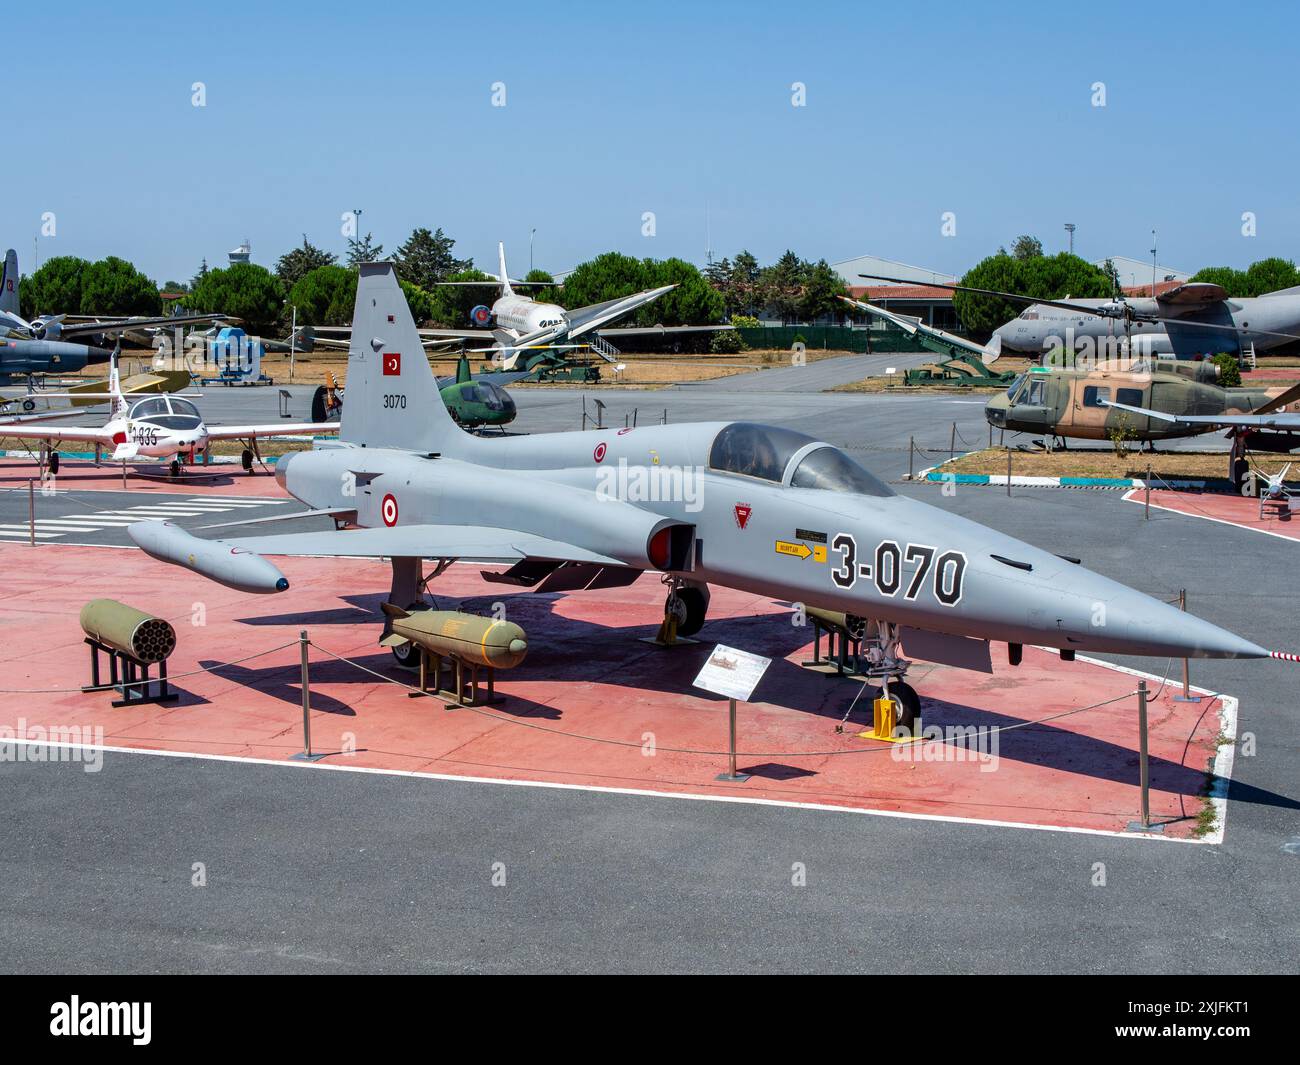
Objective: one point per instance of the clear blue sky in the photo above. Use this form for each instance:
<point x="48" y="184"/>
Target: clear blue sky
<point x="613" y="110"/>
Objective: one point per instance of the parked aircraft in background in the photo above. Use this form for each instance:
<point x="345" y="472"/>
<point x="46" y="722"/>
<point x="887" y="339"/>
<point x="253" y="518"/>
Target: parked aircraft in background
<point x="1195" y="319"/>
<point x="1148" y="402"/>
<point x="63" y="343"/>
<point x="163" y="427"/>
<point x="754" y="507"/>
<point x="527" y="334"/>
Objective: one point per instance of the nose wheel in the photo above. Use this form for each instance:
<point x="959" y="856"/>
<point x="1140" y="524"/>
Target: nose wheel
<point x="880" y="660"/>
<point x="908" y="703"/>
<point x="175" y="470"/>
<point x="687" y="606"/>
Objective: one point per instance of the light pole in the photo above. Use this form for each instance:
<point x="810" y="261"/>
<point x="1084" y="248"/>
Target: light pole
<point x="1070" y="227"/>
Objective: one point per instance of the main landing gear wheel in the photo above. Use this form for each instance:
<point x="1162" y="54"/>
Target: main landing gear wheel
<point x="408" y="655"/>
<point x="908" y="703"/>
<point x="246" y="460"/>
<point x="688" y="607"/>
<point x="53" y="464"/>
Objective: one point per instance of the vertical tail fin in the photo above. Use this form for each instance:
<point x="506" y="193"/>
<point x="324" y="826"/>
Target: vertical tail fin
<point x="117" y="405"/>
<point x="392" y="396"/>
<point x="9" y="283"/>
<point x="506" y="290"/>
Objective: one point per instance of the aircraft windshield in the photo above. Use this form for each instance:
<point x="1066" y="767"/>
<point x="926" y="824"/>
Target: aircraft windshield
<point x="183" y="406"/>
<point x="149" y="408"/>
<point x="1015" y="386"/>
<point x="495" y="398"/>
<point x="830" y="469"/>
<point x="761" y="451"/>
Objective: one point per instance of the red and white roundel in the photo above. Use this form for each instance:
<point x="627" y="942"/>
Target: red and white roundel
<point x="388" y="511"/>
<point x="599" y="453"/>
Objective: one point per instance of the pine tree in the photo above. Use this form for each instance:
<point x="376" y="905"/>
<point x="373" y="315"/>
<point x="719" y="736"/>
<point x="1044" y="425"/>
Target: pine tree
<point x="426" y="259"/>
<point x="364" y="250"/>
<point x="294" y="265"/>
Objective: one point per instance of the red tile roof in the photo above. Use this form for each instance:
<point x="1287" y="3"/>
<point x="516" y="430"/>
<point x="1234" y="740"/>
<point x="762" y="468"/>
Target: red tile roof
<point x="876" y="293"/>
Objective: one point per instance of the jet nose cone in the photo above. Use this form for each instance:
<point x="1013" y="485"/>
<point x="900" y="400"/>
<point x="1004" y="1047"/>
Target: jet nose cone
<point x="1160" y="629"/>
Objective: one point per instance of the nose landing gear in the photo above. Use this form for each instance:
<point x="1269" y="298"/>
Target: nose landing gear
<point x="881" y="661"/>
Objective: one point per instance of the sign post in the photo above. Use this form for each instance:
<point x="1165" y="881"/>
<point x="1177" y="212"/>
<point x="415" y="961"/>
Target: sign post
<point x="734" y="674"/>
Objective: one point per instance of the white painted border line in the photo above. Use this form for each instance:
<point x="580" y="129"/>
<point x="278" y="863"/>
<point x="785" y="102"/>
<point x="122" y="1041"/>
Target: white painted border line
<point x="606" y="790"/>
<point x="1129" y="497"/>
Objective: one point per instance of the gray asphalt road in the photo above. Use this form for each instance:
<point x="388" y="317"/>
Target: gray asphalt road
<point x="324" y="871"/>
<point x="814" y="376"/>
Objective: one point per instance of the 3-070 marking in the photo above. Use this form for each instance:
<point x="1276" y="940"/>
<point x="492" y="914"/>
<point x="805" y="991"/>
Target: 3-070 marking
<point x="949" y="568"/>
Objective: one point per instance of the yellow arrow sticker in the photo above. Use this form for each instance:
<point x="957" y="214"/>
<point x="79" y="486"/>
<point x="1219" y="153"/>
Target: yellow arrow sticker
<point x="799" y="550"/>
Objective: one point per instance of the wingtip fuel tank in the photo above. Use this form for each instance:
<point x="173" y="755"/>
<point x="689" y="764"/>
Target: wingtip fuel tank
<point x="232" y="566"/>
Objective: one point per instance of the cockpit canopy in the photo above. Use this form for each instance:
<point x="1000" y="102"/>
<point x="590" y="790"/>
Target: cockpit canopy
<point x="766" y="451"/>
<point x="492" y="397"/>
<point x="167" y="412"/>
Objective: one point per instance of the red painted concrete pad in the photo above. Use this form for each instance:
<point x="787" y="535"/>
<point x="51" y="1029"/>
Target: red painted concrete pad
<point x="593" y="706"/>
<point x="74" y="476"/>
<point x="1271" y="373"/>
<point x="1241" y="511"/>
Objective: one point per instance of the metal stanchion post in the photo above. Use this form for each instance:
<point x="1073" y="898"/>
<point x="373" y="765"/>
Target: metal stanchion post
<point x="1186" y="696"/>
<point x="1147" y="505"/>
<point x="306" y="754"/>
<point x="952" y="443"/>
<point x="1008" y="471"/>
<point x="911" y="454"/>
<point x="31" y="511"/>
<point x="1144" y="771"/>
<point x="731" y="773"/>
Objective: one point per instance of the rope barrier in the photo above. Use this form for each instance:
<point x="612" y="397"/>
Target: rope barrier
<point x="506" y="720"/>
<point x="176" y="676"/>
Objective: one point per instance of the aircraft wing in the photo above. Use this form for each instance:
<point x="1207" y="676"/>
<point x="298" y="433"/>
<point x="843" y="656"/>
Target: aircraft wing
<point x="1194" y="292"/>
<point x="19" y="431"/>
<point x="477" y="543"/>
<point x="343" y="343"/>
<point x="911" y="326"/>
<point x="663" y="330"/>
<point x="1281" y="422"/>
<point x="118" y="326"/>
<point x="585" y="319"/>
<point x="447" y="334"/>
<point x="250" y="432"/>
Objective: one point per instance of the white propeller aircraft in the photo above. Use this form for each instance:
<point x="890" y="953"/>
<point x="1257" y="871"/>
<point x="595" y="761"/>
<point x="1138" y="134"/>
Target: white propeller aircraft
<point x="161" y="427"/>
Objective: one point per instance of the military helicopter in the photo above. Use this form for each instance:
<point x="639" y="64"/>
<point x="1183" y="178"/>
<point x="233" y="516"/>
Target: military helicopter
<point x="1146" y="401"/>
<point x="475" y="402"/>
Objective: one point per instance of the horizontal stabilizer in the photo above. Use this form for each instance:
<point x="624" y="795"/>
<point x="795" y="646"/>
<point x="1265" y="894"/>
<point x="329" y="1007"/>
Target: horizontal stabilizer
<point x="1194" y="292"/>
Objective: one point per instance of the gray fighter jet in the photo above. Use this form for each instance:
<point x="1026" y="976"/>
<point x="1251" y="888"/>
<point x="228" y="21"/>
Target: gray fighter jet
<point x="754" y="507"/>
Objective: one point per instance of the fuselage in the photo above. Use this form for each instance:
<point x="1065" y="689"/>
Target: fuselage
<point x="525" y="316"/>
<point x="770" y="512"/>
<point x="1201" y="330"/>
<point x="160" y="427"/>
